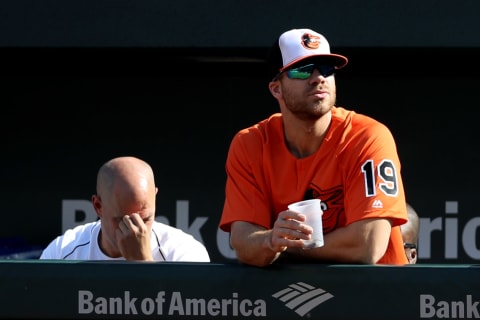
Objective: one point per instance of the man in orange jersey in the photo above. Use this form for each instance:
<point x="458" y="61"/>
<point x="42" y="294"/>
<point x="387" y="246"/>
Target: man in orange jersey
<point x="313" y="149"/>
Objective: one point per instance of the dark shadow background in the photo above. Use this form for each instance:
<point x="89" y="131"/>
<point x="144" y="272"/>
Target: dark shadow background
<point x="85" y="82"/>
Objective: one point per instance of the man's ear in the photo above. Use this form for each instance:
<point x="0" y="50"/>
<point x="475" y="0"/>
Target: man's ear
<point x="97" y="205"/>
<point x="275" y="89"/>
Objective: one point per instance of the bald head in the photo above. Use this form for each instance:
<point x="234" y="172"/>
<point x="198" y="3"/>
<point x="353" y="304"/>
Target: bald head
<point x="125" y="187"/>
<point x="411" y="228"/>
<point x="124" y="175"/>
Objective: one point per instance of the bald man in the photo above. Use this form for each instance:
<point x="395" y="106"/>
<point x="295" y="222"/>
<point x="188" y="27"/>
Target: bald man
<point x="126" y="228"/>
<point x="410" y="235"/>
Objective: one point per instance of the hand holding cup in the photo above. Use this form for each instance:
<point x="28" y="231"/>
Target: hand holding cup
<point x="313" y="213"/>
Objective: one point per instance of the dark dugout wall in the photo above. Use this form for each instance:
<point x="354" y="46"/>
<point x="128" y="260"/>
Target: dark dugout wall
<point x="171" y="82"/>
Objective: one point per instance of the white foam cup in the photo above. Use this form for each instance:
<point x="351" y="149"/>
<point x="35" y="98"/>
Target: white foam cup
<point x="313" y="212"/>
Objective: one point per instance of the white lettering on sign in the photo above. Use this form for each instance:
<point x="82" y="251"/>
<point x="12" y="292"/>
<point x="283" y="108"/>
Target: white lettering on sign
<point x="173" y="304"/>
<point x="441" y="309"/>
<point x="449" y="225"/>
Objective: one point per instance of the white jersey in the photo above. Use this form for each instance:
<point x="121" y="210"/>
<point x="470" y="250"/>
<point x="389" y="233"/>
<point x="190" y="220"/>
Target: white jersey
<point x="167" y="243"/>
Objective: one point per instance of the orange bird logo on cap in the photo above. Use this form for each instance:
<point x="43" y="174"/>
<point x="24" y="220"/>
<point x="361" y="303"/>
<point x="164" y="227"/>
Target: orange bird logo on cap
<point x="310" y="41"/>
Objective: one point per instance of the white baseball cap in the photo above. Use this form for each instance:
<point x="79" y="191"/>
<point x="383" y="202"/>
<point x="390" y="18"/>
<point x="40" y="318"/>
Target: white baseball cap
<point x="297" y="45"/>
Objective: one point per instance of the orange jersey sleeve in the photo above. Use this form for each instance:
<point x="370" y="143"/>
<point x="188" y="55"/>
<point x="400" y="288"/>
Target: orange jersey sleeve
<point x="355" y="173"/>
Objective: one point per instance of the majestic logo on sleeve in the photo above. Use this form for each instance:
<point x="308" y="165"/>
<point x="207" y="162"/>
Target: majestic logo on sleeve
<point x="310" y="41"/>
